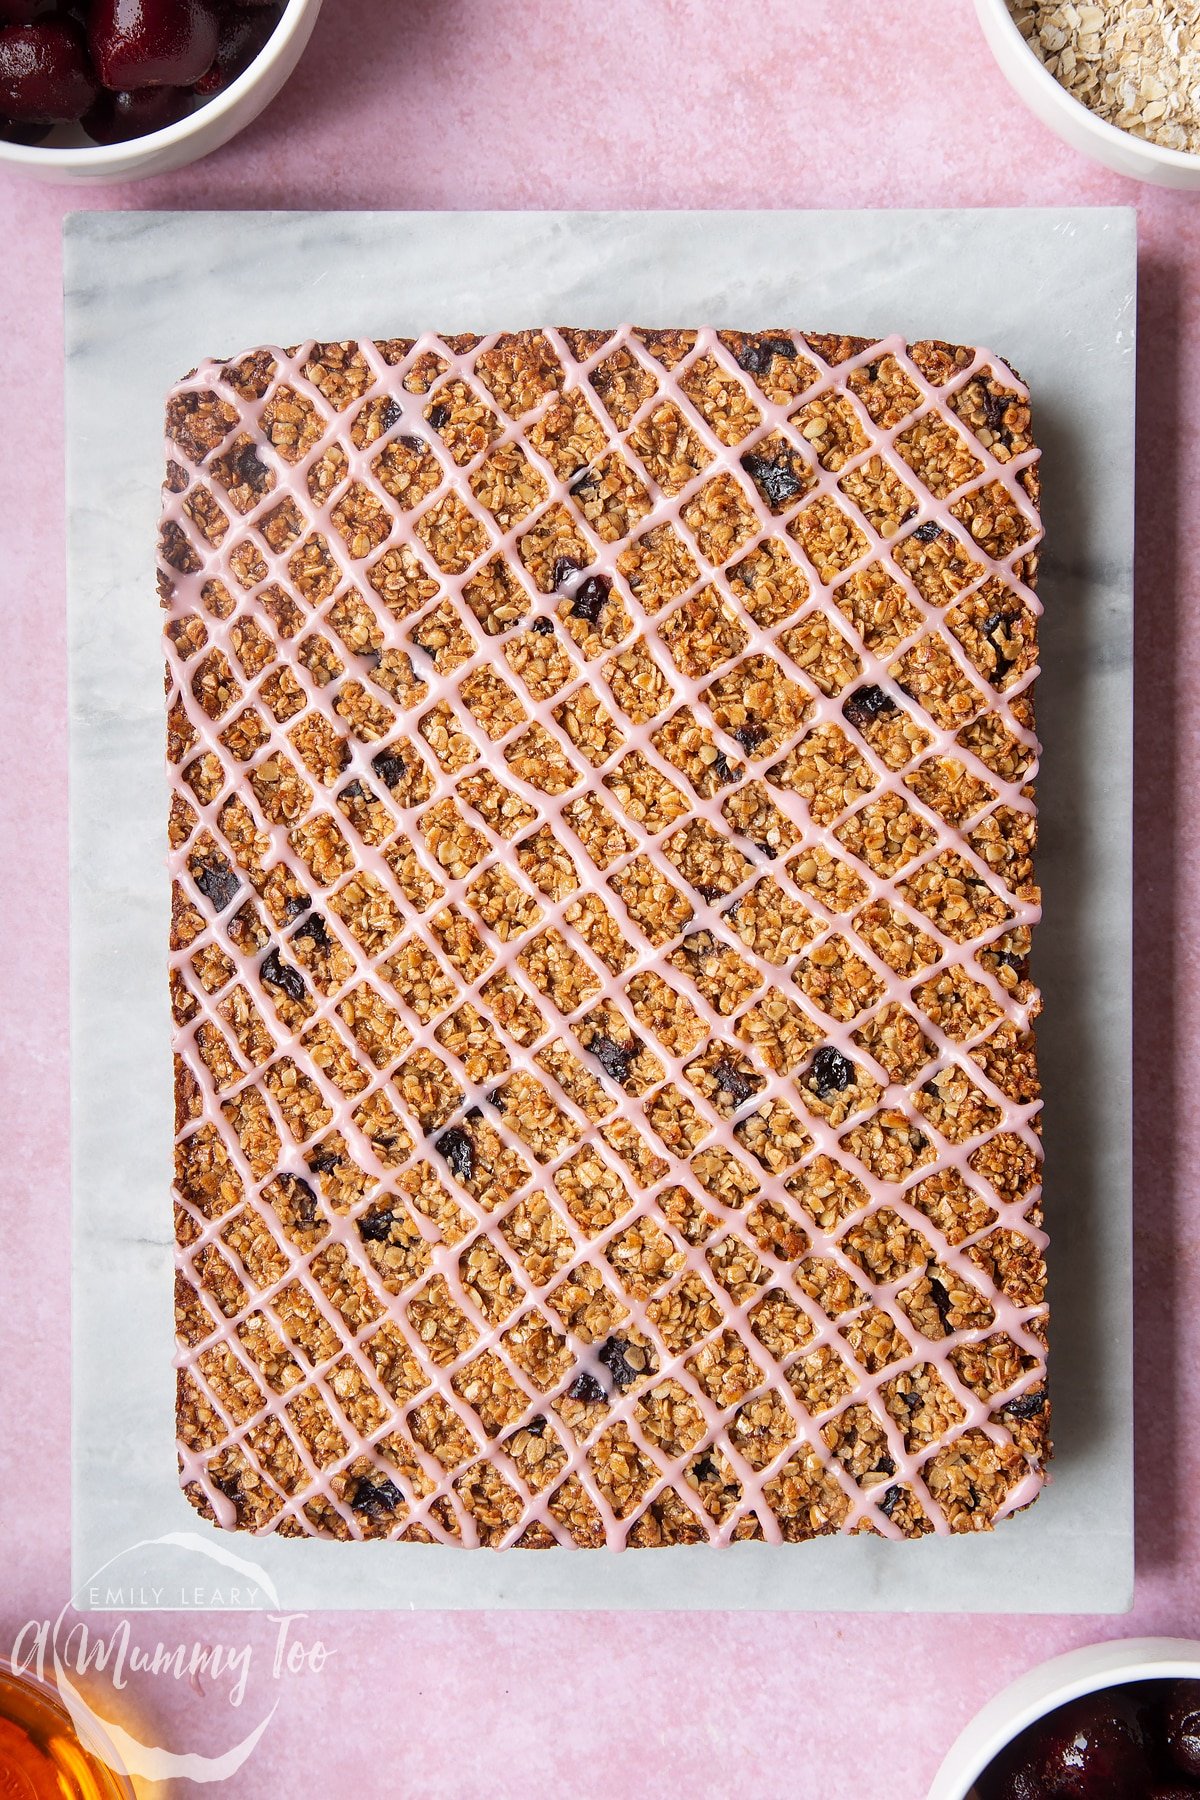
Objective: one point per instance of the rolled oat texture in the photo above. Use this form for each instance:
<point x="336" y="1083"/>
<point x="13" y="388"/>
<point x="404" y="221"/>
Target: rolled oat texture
<point x="601" y="833"/>
<point x="1134" y="63"/>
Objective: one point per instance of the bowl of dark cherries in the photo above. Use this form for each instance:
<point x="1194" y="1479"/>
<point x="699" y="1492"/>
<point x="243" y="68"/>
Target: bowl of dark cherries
<point x="1115" y="1721"/>
<point x="103" y="90"/>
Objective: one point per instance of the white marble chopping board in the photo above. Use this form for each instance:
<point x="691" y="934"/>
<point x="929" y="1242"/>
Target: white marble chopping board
<point x="147" y="296"/>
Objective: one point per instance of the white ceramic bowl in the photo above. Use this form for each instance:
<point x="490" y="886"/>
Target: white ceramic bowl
<point x="69" y="157"/>
<point x="1070" y="118"/>
<point x="1052" y="1684"/>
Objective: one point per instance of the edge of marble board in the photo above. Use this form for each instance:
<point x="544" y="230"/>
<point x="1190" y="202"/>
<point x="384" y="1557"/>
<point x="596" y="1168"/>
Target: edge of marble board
<point x="968" y="1574"/>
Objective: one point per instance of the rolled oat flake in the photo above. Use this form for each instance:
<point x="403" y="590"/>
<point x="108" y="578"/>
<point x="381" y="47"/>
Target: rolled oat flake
<point x="1134" y="63"/>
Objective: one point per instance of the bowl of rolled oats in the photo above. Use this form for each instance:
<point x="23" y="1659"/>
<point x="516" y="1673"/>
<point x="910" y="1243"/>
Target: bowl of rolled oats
<point x="1117" y="79"/>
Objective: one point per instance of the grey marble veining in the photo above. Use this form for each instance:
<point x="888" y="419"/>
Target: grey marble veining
<point x="148" y="295"/>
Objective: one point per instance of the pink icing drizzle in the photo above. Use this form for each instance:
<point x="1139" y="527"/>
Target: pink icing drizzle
<point x="216" y="564"/>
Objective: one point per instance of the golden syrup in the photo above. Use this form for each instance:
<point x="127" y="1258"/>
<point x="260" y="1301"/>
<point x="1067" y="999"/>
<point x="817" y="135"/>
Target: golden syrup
<point x="41" y="1758"/>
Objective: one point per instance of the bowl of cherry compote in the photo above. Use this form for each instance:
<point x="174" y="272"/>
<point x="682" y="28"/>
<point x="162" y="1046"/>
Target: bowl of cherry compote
<point x="102" y="90"/>
<point x="1115" y="1721"/>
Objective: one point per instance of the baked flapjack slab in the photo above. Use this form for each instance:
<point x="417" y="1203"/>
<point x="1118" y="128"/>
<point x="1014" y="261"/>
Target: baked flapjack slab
<point x="601" y="834"/>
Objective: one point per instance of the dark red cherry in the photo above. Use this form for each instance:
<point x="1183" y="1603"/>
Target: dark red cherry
<point x="244" y="32"/>
<point x="117" y="117"/>
<point x="44" y="72"/>
<point x="1181" y="1722"/>
<point x="1009" y="1783"/>
<point x="152" y="43"/>
<point x="1094" y="1748"/>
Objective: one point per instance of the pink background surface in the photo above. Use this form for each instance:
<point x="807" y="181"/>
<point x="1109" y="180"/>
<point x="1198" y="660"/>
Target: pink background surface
<point x="470" y="104"/>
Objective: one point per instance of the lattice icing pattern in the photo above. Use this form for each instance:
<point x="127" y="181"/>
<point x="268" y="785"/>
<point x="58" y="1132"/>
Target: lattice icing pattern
<point x="601" y="838"/>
